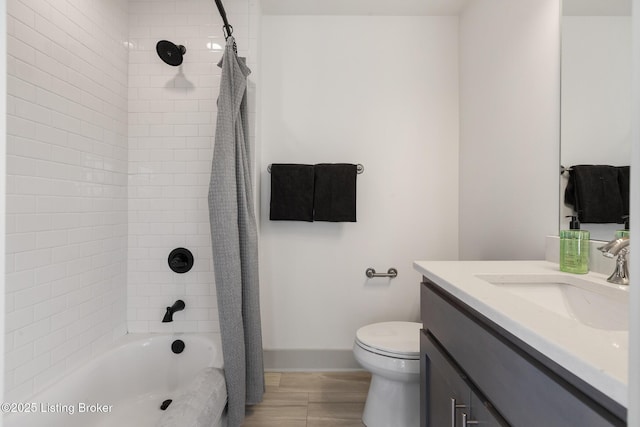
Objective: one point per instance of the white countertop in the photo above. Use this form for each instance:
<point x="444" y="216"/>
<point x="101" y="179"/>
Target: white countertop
<point x="597" y="356"/>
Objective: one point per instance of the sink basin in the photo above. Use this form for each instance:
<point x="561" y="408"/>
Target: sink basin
<point x="590" y="303"/>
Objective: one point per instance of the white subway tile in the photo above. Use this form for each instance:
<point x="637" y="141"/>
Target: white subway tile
<point x="49" y="307"/>
<point x="64" y="285"/>
<point x="19" y="318"/>
<point x="30" y="369"/>
<point x="21" y="51"/>
<point x="49" y="239"/>
<point x="79" y="357"/>
<point x="32" y="296"/>
<point x="138" y="326"/>
<point x="18" y="356"/>
<point x="20" y="88"/>
<point x="32" y="259"/>
<point x="18" y="281"/>
<point x="23" y="128"/>
<point x="49" y="273"/>
<point x="49" y="375"/>
<point x="20" y="242"/>
<point x="21" y="12"/>
<point x="63" y="319"/>
<point x="208" y="326"/>
<point x="31" y="332"/>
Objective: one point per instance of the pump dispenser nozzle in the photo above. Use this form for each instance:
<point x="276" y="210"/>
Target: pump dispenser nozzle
<point x="574" y="224"/>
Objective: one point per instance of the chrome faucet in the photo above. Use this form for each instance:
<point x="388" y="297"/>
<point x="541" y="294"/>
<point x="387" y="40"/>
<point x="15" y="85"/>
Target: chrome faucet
<point x="618" y="248"/>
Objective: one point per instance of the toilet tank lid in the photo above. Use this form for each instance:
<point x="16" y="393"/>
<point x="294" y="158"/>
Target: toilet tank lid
<point x="394" y="337"/>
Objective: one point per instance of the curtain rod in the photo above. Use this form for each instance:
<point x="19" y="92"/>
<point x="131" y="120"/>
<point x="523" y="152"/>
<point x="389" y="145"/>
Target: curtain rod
<point x="223" y="14"/>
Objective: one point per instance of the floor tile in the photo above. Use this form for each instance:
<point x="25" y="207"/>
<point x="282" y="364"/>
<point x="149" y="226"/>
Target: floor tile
<point x="272" y="379"/>
<point x="263" y="414"/>
<point x="350" y="397"/>
<point x="335" y="411"/>
<point x="334" y="423"/>
<point x="284" y="398"/>
<point x="325" y="381"/>
<point x="311" y="399"/>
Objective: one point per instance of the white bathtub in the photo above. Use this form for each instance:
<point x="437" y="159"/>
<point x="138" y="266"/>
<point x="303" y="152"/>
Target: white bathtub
<point x="126" y="385"/>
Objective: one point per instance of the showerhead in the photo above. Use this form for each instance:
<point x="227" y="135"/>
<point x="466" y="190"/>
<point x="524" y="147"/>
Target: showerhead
<point x="170" y="53"/>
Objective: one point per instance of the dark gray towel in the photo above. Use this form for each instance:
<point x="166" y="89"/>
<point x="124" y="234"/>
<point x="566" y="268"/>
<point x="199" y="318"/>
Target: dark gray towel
<point x="624" y="178"/>
<point x="291" y="192"/>
<point x="594" y="192"/>
<point x="335" y="192"/>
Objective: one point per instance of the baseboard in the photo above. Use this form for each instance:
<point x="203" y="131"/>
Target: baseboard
<point x="310" y="360"/>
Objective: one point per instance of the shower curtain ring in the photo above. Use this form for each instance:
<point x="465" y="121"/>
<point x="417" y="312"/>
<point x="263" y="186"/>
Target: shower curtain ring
<point x="227" y="30"/>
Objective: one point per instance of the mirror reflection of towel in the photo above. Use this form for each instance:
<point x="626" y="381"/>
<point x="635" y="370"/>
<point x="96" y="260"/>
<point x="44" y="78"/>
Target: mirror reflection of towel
<point x="594" y="192"/>
<point x="335" y="192"/>
<point x="624" y="177"/>
<point x="291" y="192"/>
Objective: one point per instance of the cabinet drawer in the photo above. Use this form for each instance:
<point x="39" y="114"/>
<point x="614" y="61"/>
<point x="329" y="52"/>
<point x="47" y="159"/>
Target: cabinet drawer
<point x="523" y="389"/>
<point x="450" y="396"/>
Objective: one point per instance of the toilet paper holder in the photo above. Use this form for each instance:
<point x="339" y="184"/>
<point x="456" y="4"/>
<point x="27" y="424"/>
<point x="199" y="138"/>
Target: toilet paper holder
<point x="371" y="273"/>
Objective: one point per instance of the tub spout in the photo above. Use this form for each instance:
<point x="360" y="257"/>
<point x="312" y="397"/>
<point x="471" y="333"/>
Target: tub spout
<point x="177" y="306"/>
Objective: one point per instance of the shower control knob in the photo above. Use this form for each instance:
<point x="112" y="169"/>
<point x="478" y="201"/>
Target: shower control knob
<point x="180" y="260"/>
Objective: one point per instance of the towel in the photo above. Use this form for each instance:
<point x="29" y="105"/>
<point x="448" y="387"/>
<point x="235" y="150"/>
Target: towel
<point x="291" y="192"/>
<point x="594" y="192"/>
<point x="335" y="192"/>
<point x="624" y="173"/>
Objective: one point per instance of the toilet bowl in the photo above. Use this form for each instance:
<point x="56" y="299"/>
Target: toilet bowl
<point x="391" y="352"/>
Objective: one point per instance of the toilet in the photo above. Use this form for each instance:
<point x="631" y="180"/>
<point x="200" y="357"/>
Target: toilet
<point x="391" y="352"/>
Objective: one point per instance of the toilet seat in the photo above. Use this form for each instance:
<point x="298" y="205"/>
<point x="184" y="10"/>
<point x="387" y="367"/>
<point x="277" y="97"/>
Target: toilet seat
<point x="392" y="339"/>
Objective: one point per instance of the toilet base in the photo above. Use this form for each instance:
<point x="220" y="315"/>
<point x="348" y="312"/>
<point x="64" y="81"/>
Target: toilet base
<point x="392" y="403"/>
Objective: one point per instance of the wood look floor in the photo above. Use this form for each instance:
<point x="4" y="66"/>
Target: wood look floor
<point x="311" y="399"/>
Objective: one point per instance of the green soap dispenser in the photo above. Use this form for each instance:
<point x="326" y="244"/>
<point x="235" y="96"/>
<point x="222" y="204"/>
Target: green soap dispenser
<point x="574" y="248"/>
<point x="624" y="233"/>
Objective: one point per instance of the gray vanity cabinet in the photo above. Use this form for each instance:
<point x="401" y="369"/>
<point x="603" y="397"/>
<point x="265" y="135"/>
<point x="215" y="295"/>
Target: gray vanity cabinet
<point x="456" y="401"/>
<point x="496" y="379"/>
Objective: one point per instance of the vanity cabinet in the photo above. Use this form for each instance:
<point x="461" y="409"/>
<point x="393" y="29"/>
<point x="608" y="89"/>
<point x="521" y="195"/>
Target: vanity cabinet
<point x="455" y="402"/>
<point x="473" y="370"/>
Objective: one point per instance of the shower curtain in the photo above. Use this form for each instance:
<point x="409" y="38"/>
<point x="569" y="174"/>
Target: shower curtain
<point x="234" y="241"/>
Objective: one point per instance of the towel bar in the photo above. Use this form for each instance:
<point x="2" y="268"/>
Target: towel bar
<point x="359" y="168"/>
<point x="371" y="273"/>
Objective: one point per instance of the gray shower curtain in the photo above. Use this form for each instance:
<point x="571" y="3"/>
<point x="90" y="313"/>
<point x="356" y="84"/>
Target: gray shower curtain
<point x="234" y="241"/>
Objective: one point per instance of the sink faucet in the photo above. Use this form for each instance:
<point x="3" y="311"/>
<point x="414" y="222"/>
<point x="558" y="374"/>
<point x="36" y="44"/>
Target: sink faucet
<point x="618" y="248"/>
<point x="177" y="306"/>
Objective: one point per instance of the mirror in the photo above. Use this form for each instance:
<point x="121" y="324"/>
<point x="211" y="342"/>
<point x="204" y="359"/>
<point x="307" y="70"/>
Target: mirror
<point x="595" y="92"/>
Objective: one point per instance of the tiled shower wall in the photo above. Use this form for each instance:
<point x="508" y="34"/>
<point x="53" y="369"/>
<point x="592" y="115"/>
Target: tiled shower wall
<point x="172" y="113"/>
<point x="105" y="143"/>
<point x="109" y="154"/>
<point x="66" y="186"/>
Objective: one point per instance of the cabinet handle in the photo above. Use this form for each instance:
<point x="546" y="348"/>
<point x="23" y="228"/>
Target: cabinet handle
<point x="466" y="423"/>
<point x="455" y="406"/>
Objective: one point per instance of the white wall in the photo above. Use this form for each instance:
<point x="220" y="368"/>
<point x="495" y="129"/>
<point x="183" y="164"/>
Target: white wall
<point x="381" y="91"/>
<point x="66" y="186"/>
<point x="509" y="128"/>
<point x="172" y="116"/>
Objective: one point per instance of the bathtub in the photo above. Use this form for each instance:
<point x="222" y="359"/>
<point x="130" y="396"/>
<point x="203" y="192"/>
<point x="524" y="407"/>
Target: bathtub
<point x="127" y="385"/>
